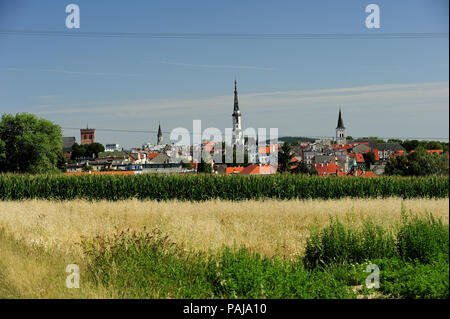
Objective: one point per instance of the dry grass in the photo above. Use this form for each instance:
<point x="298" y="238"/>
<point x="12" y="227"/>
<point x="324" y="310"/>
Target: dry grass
<point x="270" y="227"/>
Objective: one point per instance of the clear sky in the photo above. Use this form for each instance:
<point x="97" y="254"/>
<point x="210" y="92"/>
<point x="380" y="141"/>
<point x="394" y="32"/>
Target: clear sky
<point x="386" y="87"/>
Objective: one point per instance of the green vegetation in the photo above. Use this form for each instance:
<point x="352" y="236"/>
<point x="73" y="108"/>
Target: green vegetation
<point x="302" y="168"/>
<point x="292" y="139"/>
<point x="88" y="151"/>
<point x="29" y="144"/>
<point x="204" y="187"/>
<point x="410" y="145"/>
<point x="418" y="163"/>
<point x="148" y="265"/>
<point x="285" y="156"/>
<point x="369" y="158"/>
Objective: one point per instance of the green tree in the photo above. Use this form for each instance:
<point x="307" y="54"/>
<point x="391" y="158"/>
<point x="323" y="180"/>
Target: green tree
<point x="94" y="149"/>
<point x="369" y="158"/>
<point x="395" y="140"/>
<point x="86" y="151"/>
<point x="410" y="145"/>
<point x="29" y="144"/>
<point x="285" y="156"/>
<point x="301" y="168"/>
<point x="418" y="163"/>
<point x="434" y="145"/>
<point x="204" y="167"/>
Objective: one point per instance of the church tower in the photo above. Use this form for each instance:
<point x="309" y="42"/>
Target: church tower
<point x="237" y="138"/>
<point x="160" y="136"/>
<point x="341" y="136"/>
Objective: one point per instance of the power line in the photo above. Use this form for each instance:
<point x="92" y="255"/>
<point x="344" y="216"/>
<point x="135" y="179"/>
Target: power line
<point x="304" y="136"/>
<point x="228" y="36"/>
<point x="5" y="128"/>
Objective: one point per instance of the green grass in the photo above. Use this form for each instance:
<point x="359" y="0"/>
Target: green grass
<point x="205" y="187"/>
<point x="148" y="265"/>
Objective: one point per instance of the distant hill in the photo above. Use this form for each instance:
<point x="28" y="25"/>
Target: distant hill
<point x="292" y="139"/>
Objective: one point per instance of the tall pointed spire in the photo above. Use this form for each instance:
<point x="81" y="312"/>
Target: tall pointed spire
<point x="236" y="102"/>
<point x="340" y="121"/>
<point x="160" y="136"/>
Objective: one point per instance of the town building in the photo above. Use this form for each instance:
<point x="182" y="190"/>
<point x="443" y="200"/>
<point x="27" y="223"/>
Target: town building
<point x="159" y="136"/>
<point x="237" y="135"/>
<point x="341" y="135"/>
<point x="87" y="136"/>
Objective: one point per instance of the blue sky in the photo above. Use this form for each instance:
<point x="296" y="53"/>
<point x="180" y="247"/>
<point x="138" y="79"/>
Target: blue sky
<point x="386" y="87"/>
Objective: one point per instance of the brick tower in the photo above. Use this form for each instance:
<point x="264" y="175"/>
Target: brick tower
<point x="87" y="135"/>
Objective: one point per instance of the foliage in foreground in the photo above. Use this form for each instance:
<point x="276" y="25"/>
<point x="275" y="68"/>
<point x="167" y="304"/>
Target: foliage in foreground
<point x="205" y="187"/>
<point x="148" y="265"/>
<point x="29" y="144"/>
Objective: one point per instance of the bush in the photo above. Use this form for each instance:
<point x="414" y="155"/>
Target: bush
<point x="422" y="238"/>
<point x="341" y="244"/>
<point x="146" y="265"/>
<point x="241" y="274"/>
<point x="403" y="279"/>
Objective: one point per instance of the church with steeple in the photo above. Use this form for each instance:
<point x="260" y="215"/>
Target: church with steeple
<point x="341" y="136"/>
<point x="237" y="137"/>
<point x="160" y="136"/>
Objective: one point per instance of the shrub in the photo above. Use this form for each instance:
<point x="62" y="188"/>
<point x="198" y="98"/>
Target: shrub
<point x="403" y="279"/>
<point x="338" y="243"/>
<point x="242" y="274"/>
<point x="422" y="238"/>
<point x="146" y="265"/>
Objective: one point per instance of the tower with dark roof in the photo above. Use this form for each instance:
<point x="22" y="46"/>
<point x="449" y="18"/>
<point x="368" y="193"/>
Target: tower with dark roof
<point x="160" y="136"/>
<point x="341" y="136"/>
<point x="237" y="138"/>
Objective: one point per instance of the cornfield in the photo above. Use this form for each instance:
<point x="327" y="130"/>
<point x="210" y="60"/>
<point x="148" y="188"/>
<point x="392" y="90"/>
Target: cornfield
<point x="205" y="187"/>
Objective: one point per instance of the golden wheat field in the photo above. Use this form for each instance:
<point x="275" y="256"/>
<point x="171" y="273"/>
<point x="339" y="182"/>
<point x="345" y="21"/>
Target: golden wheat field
<point x="270" y="227"/>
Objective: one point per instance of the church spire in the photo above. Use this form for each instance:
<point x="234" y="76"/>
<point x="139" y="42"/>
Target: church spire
<point x="160" y="136"/>
<point x="340" y="121"/>
<point x="236" y="102"/>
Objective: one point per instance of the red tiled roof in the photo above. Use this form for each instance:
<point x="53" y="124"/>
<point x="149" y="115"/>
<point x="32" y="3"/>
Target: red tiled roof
<point x="258" y="169"/>
<point x="231" y="170"/>
<point x="328" y="169"/>
<point x="359" y="157"/>
<point x="152" y="155"/>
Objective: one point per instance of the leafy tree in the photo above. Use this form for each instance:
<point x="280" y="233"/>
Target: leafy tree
<point x="61" y="163"/>
<point x="86" y="151"/>
<point x="94" y="149"/>
<point x="418" y="163"/>
<point x="369" y="158"/>
<point x="204" y="167"/>
<point x="395" y="140"/>
<point x="285" y="156"/>
<point x="434" y="145"/>
<point x="29" y="144"/>
<point x="410" y="145"/>
<point x="302" y="168"/>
